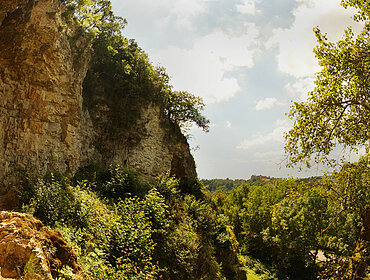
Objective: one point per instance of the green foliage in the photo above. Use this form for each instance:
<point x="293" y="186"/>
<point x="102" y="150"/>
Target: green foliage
<point x="167" y="186"/>
<point x="122" y="71"/>
<point x="157" y="211"/>
<point x="257" y="270"/>
<point x="183" y="107"/>
<point x="123" y="229"/>
<point x="349" y="188"/>
<point x="52" y="200"/>
<point x="131" y="235"/>
<point x="95" y="17"/>
<point x="286" y="225"/>
<point x="121" y="75"/>
<point x="192" y="186"/>
<point x="115" y="243"/>
<point x="139" y="233"/>
<point x="363" y="7"/>
<point x="349" y="191"/>
<point x="113" y="183"/>
<point x="185" y="245"/>
<point x="200" y="212"/>
<point x="222" y="184"/>
<point x="121" y="183"/>
<point x="297" y="225"/>
<point x="337" y="110"/>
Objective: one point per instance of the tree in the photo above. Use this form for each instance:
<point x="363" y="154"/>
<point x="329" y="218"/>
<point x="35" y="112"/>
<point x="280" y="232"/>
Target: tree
<point x="297" y="223"/>
<point x="338" y="109"/>
<point x="184" y="108"/>
<point x="94" y="16"/>
<point x="338" y="112"/>
<point x="349" y="192"/>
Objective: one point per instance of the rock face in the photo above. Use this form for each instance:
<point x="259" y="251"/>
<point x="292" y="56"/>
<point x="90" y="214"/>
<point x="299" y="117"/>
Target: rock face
<point x="45" y="126"/>
<point x="43" y="122"/>
<point x="30" y="250"/>
<point x="163" y="148"/>
<point x="40" y="87"/>
<point x="152" y="145"/>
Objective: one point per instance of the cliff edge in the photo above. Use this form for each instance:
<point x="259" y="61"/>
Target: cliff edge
<point x="45" y="123"/>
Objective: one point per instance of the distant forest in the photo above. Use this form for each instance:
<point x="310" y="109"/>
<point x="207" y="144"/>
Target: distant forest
<point x="225" y="185"/>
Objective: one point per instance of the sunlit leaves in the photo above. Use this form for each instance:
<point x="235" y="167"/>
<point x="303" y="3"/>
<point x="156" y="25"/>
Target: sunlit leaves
<point x="183" y="107"/>
<point x="94" y="16"/>
<point x="338" y="109"/>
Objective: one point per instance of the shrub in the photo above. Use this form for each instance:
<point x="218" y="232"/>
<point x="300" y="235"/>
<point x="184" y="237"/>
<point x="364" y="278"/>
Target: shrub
<point x="52" y="201"/>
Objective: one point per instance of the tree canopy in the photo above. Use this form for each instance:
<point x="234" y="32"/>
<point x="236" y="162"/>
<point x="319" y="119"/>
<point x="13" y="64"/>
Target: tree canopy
<point x="338" y="112"/>
<point x="338" y="109"/>
<point x="94" y="16"/>
<point x="183" y="107"/>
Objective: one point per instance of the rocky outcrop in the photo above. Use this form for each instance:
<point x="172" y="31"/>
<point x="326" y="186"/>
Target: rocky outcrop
<point x="152" y="145"/>
<point x="30" y="251"/>
<point x="163" y="147"/>
<point x="44" y="124"/>
<point x="40" y="88"/>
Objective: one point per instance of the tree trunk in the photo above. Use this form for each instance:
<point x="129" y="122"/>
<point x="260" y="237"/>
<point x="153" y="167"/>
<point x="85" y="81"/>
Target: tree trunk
<point x="360" y="258"/>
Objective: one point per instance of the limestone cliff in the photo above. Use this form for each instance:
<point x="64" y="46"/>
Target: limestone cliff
<point x="44" y="123"/>
<point x="151" y="145"/>
<point x="40" y="87"/>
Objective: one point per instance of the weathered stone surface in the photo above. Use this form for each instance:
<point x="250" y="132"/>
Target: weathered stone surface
<point x="43" y="122"/>
<point x="30" y="250"/>
<point x="152" y="145"/>
<point x="40" y="88"/>
<point x="44" y="126"/>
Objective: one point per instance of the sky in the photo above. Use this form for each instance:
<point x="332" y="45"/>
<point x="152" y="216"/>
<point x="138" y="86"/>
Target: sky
<point x="248" y="60"/>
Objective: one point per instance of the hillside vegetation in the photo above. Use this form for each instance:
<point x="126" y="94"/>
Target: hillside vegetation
<point x="123" y="227"/>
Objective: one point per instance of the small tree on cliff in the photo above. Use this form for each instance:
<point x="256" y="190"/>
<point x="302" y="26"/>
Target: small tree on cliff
<point x="184" y="108"/>
<point x="338" y="112"/>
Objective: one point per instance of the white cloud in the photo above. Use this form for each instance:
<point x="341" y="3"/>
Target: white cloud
<point x="296" y="43"/>
<point x="181" y="11"/>
<point x="300" y="88"/>
<point x="185" y="10"/>
<point x="283" y="122"/>
<point x="247" y="7"/>
<point x="267" y="103"/>
<point x="258" y="140"/>
<point x="228" y="124"/>
<point x="201" y="70"/>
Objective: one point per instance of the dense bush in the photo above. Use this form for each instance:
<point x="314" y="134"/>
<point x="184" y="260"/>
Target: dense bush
<point x="125" y="229"/>
<point x="122" y="228"/>
<point x="52" y="200"/>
